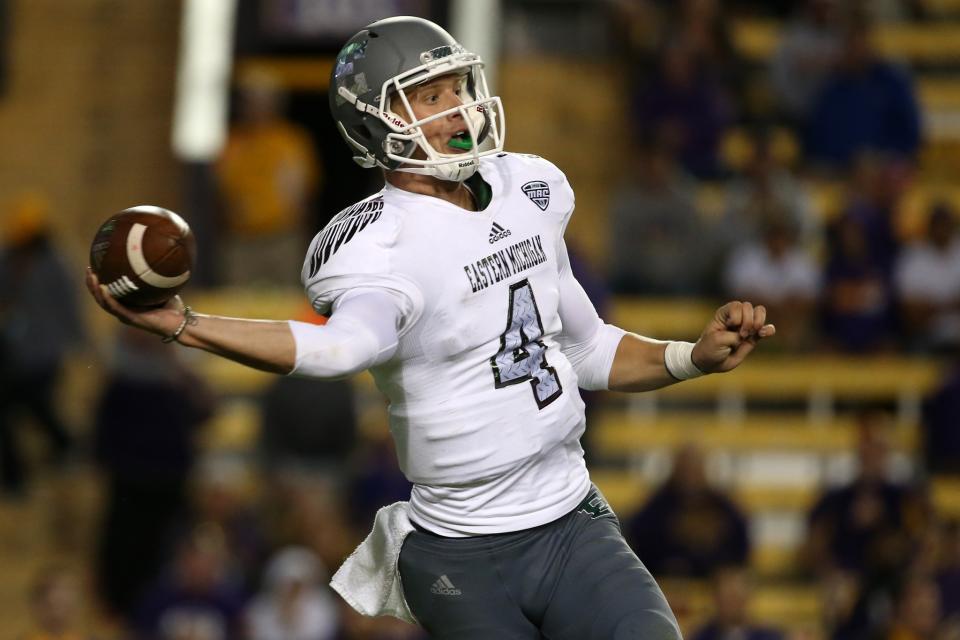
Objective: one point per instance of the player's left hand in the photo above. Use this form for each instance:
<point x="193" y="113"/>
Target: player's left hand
<point x="730" y="336"/>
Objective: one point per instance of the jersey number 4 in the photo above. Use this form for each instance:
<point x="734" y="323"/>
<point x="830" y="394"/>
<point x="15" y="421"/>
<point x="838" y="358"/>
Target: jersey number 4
<point x="522" y="354"/>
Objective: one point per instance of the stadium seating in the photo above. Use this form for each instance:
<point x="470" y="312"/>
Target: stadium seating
<point x="774" y="466"/>
<point x="756" y="39"/>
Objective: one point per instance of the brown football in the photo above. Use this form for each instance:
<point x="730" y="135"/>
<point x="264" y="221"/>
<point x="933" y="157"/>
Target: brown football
<point x="143" y="255"/>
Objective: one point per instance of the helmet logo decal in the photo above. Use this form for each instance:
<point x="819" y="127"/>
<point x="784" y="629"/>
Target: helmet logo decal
<point x="345" y="67"/>
<point x="342" y="69"/>
<point x="539" y="193"/>
<point x="353" y="51"/>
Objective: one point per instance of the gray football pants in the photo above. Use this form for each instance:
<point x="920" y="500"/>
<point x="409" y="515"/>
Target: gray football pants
<point x="572" y="579"/>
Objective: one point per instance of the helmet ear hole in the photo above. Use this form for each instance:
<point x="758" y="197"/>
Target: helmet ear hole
<point x="364" y="131"/>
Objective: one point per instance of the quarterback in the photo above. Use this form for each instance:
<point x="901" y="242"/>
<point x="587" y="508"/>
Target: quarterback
<point x="452" y="285"/>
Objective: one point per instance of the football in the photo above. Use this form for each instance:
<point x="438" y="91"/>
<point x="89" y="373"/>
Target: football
<point x="143" y="255"/>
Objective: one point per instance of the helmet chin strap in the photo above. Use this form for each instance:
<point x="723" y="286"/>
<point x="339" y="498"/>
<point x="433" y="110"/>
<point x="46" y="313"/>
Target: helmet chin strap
<point x="450" y="171"/>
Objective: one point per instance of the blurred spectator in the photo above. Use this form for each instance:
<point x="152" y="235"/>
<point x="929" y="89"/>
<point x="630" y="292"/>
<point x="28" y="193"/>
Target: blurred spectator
<point x="638" y="27"/>
<point x="222" y="499"/>
<point x="376" y="480"/>
<point x="857" y="295"/>
<point x="731" y="596"/>
<point x="927" y="278"/>
<point x="941" y="415"/>
<point x="864" y="534"/>
<point x="593" y="283"/>
<point x="917" y="611"/>
<point x="39" y="324"/>
<point x="196" y="598"/>
<point x="55" y="600"/>
<point x="685" y="105"/>
<point x="948" y="571"/>
<point x="895" y="11"/>
<point x="839" y="596"/>
<point x="145" y="423"/>
<point x="766" y="185"/>
<point x="645" y="26"/>
<point x="306" y="510"/>
<point x="654" y="222"/>
<point x="859" y="314"/>
<point x="688" y="528"/>
<point x="807" y="54"/>
<point x="267" y="174"/>
<point x="877" y="187"/>
<point x="869" y="524"/>
<point x="779" y="274"/>
<point x="703" y="26"/>
<point x="295" y="436"/>
<point x="295" y="603"/>
<point x="867" y="104"/>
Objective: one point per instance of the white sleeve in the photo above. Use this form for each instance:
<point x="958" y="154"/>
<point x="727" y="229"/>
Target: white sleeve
<point x="362" y="332"/>
<point x="588" y="343"/>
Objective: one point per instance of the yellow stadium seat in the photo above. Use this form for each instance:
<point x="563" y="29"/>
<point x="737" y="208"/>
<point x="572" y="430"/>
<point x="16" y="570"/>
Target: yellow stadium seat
<point x="945" y="492"/>
<point x="627" y="492"/>
<point x="616" y="432"/>
<point x="757" y="39"/>
<point x="793" y="606"/>
<point x="662" y="317"/>
<point x="853" y="378"/>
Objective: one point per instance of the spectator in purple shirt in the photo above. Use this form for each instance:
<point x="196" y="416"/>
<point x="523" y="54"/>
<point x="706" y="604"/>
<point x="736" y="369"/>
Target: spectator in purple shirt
<point x="858" y="311"/>
<point x="197" y="596"/>
<point x="731" y="620"/>
<point x="941" y="415"/>
<point x="688" y="528"/>
<point x="686" y="104"/>
<point x="866" y="104"/>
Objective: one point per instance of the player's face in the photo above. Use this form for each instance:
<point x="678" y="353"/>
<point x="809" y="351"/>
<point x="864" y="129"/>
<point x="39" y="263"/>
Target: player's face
<point x="447" y="134"/>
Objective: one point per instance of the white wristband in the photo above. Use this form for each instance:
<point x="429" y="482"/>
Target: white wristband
<point x="678" y="359"/>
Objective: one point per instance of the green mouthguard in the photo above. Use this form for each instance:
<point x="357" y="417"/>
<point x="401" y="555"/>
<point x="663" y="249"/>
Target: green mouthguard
<point x="457" y="143"/>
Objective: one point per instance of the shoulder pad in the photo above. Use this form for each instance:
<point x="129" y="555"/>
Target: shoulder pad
<point x="354" y="250"/>
<point x="339" y="232"/>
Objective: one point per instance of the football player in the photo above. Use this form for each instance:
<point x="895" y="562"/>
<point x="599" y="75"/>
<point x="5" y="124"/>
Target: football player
<point x="453" y="286"/>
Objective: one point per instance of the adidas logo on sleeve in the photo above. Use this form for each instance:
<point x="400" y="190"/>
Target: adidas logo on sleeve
<point x="498" y="233"/>
<point x="443" y="587"/>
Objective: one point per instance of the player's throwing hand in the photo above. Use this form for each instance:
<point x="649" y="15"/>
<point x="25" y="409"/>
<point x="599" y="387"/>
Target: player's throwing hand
<point x="162" y="321"/>
<point x="734" y="331"/>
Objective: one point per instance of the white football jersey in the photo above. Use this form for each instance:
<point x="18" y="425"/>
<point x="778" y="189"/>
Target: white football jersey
<point x="484" y="407"/>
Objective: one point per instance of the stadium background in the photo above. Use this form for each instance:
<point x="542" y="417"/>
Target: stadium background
<point x="86" y="115"/>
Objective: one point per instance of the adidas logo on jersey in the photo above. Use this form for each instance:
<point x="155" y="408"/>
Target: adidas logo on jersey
<point x="443" y="587"/>
<point x="498" y="233"/>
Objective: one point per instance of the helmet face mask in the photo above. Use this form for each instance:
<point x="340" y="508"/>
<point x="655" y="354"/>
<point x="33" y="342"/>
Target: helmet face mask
<point x="369" y="99"/>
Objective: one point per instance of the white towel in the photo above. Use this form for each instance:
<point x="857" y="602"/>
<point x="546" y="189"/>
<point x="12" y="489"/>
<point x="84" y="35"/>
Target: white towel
<point x="369" y="580"/>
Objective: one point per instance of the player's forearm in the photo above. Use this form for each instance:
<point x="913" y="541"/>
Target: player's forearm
<point x="639" y="365"/>
<point x="267" y="345"/>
